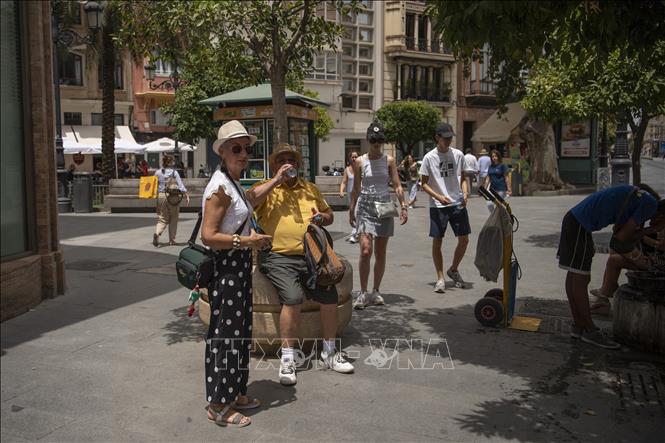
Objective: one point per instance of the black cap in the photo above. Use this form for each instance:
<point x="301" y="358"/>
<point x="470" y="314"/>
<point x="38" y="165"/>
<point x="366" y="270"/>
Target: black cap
<point x="376" y="131"/>
<point x="445" y="130"/>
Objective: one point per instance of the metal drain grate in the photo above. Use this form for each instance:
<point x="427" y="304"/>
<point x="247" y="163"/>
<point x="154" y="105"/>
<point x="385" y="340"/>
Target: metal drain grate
<point x="640" y="393"/>
<point x="92" y="265"/>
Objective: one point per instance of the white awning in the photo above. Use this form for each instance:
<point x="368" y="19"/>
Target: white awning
<point x="72" y="146"/>
<point x="166" y="144"/>
<point x="91" y="137"/>
<point x="500" y="129"/>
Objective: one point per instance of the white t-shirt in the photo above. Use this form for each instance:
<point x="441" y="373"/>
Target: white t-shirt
<point x="484" y="163"/>
<point x="471" y="161"/>
<point x="444" y="170"/>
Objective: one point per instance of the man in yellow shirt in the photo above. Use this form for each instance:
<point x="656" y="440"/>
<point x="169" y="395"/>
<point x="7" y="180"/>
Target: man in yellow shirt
<point x="285" y="214"/>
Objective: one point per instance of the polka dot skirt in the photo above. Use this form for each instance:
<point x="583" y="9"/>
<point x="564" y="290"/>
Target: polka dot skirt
<point x="229" y="338"/>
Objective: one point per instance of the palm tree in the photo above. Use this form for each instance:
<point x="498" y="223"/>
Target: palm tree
<point x="108" y="61"/>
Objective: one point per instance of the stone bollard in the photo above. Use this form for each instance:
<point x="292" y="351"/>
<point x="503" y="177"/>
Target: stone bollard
<point x="266" y="309"/>
<point x="639" y="312"/>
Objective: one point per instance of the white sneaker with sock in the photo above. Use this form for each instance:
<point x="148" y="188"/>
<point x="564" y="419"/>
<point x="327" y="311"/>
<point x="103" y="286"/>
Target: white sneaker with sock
<point x="336" y="362"/>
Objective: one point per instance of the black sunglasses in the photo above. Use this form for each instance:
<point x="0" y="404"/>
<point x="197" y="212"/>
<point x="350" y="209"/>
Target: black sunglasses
<point x="375" y="139"/>
<point x="237" y="149"/>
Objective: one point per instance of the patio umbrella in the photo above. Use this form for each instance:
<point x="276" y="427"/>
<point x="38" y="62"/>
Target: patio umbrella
<point x="166" y="144"/>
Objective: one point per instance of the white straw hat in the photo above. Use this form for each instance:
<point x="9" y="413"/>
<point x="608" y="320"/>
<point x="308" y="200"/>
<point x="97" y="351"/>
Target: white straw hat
<point x="231" y="130"/>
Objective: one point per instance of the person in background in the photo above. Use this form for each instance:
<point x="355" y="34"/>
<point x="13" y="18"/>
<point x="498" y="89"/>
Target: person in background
<point x="70" y="172"/>
<point x="484" y="163"/>
<point x="410" y="168"/>
<point x="472" y="162"/>
<point x="498" y="178"/>
<point x="441" y="174"/>
<point x="143" y="168"/>
<point x="346" y="188"/>
<point x="167" y="212"/>
<point x="627" y="208"/>
<point x="374" y="171"/>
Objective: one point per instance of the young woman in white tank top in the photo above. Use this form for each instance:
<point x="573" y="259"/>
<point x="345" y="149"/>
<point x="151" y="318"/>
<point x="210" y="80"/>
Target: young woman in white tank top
<point x="373" y="172"/>
<point x="346" y="186"/>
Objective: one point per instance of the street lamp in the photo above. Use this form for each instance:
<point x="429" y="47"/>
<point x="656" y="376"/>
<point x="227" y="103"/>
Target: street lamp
<point x="172" y="82"/>
<point x="64" y="37"/>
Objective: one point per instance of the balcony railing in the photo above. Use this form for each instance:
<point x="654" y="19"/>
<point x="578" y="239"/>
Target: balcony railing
<point x="420" y="45"/>
<point x="410" y="43"/>
<point x="431" y="93"/>
<point x="482" y="87"/>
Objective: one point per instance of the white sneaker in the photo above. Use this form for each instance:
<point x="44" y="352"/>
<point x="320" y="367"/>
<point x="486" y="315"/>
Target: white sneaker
<point x="375" y="298"/>
<point x="353" y="239"/>
<point x="361" y="301"/>
<point x="287" y="373"/>
<point x="440" y="286"/>
<point x="337" y="363"/>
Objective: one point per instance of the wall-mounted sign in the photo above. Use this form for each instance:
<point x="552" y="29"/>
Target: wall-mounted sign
<point x="576" y="140"/>
<point x="247" y="112"/>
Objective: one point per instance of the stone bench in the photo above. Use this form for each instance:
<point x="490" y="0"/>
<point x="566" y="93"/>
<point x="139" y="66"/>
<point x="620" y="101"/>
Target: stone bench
<point x="123" y="196"/>
<point x="266" y="309"/>
<point x="329" y="186"/>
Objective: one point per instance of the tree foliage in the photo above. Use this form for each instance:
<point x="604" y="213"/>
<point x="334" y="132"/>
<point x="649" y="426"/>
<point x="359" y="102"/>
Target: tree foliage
<point x="407" y="122"/>
<point x="240" y="43"/>
<point x="566" y="59"/>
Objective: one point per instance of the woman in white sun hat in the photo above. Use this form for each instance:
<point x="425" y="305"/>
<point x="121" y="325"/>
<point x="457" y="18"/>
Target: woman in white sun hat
<point x="227" y="228"/>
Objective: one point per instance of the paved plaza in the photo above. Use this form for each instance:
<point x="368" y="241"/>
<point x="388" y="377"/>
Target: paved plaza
<point x="117" y="358"/>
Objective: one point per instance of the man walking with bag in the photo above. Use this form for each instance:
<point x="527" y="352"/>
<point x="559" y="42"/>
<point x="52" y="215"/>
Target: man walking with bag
<point x="441" y="174"/>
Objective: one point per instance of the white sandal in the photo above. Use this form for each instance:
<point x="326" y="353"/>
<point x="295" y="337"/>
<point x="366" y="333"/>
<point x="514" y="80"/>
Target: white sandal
<point x="221" y="417"/>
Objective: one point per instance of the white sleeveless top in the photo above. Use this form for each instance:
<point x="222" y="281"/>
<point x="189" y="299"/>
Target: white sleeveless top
<point x="349" y="181"/>
<point x="237" y="212"/>
<point x="375" y="177"/>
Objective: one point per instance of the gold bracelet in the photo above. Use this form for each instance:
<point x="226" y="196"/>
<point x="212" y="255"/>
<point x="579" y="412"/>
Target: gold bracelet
<point x="235" y="242"/>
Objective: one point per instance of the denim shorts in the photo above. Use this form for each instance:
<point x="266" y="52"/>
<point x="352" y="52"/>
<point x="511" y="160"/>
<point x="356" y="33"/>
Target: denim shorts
<point x="457" y="216"/>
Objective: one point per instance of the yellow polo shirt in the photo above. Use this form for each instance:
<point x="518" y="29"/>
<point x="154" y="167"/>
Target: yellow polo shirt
<point x="285" y="214"/>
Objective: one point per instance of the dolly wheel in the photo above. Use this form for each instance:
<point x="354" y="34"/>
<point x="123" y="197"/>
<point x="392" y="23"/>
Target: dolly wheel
<point x="495" y="293"/>
<point x="489" y="311"/>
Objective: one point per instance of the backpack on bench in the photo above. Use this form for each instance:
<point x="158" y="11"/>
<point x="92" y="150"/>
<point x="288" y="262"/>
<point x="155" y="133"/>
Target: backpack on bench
<point x="324" y="266"/>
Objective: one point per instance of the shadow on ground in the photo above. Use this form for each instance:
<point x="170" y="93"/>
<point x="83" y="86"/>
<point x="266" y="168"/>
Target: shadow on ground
<point x="569" y="391"/>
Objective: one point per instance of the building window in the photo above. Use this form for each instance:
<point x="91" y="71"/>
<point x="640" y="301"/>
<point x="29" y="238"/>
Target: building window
<point x="14" y="202"/>
<point x="72" y="118"/>
<point x="349" y="33"/>
<point x="349" y="68"/>
<point x="118" y="77"/>
<point x="365" y="69"/>
<point x="366" y="35"/>
<point x="349" y="85"/>
<point x="349" y="50"/>
<point x="365" y="18"/>
<point x="365" y="102"/>
<point x="349" y="101"/>
<point x="96" y="119"/>
<point x="422" y="32"/>
<point x="325" y="66"/>
<point x="71" y="69"/>
<point x="364" y="85"/>
<point x="157" y="117"/>
<point x="410" y="31"/>
<point x="365" y="52"/>
<point x="163" y="68"/>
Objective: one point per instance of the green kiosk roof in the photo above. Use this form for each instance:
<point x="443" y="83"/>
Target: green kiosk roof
<point x="257" y="95"/>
